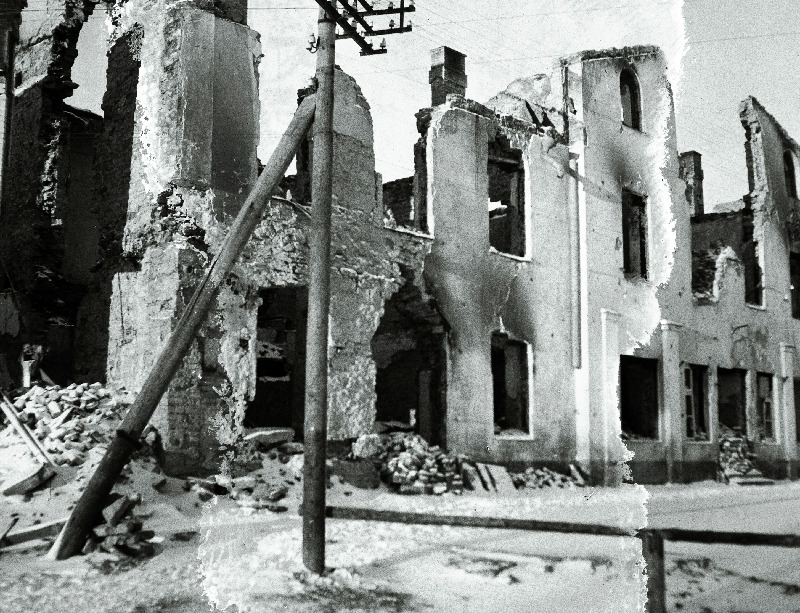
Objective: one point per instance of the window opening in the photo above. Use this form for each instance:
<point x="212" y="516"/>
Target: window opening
<point x="631" y="100"/>
<point x="764" y="413"/>
<point x="789" y="174"/>
<point x="794" y="275"/>
<point x="695" y="385"/>
<point x="634" y="235"/>
<point x="797" y="408"/>
<point x="732" y="404"/>
<point x="752" y="269"/>
<point x="506" y="198"/>
<point x="510" y="383"/>
<point x="638" y="386"/>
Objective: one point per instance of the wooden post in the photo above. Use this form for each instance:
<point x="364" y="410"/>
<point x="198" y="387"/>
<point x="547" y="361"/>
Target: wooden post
<point x="22" y="430"/>
<point x="88" y="508"/>
<point x="653" y="554"/>
<point x="316" y="417"/>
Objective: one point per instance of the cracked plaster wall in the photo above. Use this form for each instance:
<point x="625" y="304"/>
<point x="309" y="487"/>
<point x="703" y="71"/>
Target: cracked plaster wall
<point x="192" y="165"/>
<point x="724" y="332"/>
<point x="479" y="290"/>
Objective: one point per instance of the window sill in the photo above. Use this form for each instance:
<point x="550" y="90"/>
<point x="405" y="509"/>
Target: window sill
<point x="516" y="258"/>
<point x="411" y="231"/>
<point x="513" y="437"/>
<point x="635" y="279"/>
<point x="624" y="127"/>
<point x="645" y="441"/>
<point x="755" y="307"/>
<point x="691" y="441"/>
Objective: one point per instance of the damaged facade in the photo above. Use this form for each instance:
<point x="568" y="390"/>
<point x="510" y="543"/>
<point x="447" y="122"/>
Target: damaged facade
<point x="528" y="296"/>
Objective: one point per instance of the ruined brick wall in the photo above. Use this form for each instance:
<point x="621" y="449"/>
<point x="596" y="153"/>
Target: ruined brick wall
<point x="35" y="185"/>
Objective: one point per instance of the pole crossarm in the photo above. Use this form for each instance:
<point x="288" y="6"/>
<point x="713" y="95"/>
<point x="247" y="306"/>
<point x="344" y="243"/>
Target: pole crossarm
<point x="351" y="11"/>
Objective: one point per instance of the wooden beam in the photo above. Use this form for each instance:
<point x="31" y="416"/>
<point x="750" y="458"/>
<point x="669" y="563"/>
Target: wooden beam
<point x="469" y="521"/>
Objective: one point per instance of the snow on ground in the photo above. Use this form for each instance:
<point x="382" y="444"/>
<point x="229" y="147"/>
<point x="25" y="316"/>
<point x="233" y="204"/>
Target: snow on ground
<point x="253" y="560"/>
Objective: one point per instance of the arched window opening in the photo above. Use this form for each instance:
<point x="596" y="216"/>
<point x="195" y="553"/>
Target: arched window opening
<point x="631" y="100"/>
<point x="789" y="174"/>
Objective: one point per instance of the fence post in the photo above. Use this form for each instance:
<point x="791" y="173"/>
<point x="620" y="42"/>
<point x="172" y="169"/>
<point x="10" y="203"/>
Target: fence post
<point x="653" y="553"/>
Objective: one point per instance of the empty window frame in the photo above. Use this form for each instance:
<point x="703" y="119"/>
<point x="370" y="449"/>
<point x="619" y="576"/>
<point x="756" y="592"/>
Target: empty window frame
<point x="630" y="98"/>
<point x="789" y="174"/>
<point x="764" y="409"/>
<point x="506" y="198"/>
<point x="794" y="275"/>
<point x="753" y="281"/>
<point x="732" y="402"/>
<point x="634" y="235"/>
<point x="695" y="386"/>
<point x="638" y="390"/>
<point x="510" y="367"/>
<point x="797" y="408"/>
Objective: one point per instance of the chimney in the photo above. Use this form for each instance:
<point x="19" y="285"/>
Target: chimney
<point x="691" y="171"/>
<point x="447" y="74"/>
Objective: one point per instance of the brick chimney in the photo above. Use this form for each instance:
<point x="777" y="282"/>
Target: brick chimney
<point x="447" y="74"/>
<point x="691" y="171"/>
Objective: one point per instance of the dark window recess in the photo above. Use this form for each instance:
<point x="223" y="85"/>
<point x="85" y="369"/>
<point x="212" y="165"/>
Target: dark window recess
<point x="752" y="269"/>
<point x="638" y="389"/>
<point x="764" y="412"/>
<point x="510" y="384"/>
<point x="695" y="384"/>
<point x="631" y="99"/>
<point x="506" y="198"/>
<point x="794" y="272"/>
<point x="280" y="360"/>
<point x="797" y="408"/>
<point x="634" y="235"/>
<point x="789" y="175"/>
<point x="732" y="404"/>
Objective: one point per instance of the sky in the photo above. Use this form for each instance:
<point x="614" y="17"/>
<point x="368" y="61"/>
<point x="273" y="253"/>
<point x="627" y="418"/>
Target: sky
<point x="718" y="53"/>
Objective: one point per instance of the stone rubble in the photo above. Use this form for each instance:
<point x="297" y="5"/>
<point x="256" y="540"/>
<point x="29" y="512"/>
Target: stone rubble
<point x="538" y="478"/>
<point x="69" y="421"/>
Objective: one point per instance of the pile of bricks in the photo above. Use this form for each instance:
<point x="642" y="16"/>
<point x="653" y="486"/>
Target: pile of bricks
<point x="538" y="478"/>
<point x="120" y="534"/>
<point x="68" y="421"/>
<point x="412" y="466"/>
<point x="735" y="457"/>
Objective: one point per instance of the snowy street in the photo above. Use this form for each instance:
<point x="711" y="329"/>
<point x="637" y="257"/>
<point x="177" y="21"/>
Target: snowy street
<point x="722" y="578"/>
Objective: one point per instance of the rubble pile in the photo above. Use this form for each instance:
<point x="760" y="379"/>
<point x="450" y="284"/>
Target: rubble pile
<point x="412" y="466"/>
<point x="735" y="457"/>
<point x="68" y="421"/>
<point x="538" y="478"/>
<point x="261" y="488"/>
<point x="120" y="533"/>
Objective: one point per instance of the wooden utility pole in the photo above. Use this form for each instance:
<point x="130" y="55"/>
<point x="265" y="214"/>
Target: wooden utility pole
<point x="89" y="506"/>
<point x="316" y="401"/>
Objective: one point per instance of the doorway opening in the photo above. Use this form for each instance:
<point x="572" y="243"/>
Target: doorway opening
<point x="732" y="402"/>
<point x="280" y="360"/>
<point x="408" y="349"/>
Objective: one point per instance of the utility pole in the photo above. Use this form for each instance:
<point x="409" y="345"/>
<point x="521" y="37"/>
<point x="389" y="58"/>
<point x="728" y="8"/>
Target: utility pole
<point x="316" y="401"/>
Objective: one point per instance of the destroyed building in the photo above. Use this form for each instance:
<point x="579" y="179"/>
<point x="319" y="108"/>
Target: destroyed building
<point x="544" y="286"/>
